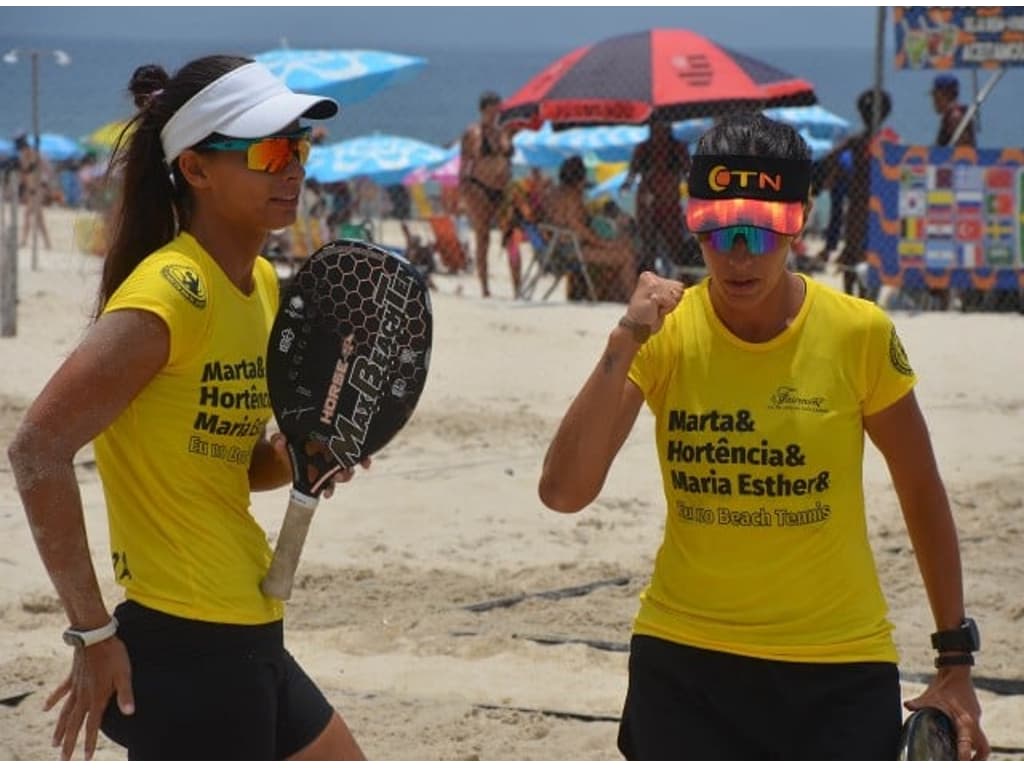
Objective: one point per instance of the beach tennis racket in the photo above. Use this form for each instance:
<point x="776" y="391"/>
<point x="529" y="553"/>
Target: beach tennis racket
<point x="347" y="360"/>
<point x="928" y="734"/>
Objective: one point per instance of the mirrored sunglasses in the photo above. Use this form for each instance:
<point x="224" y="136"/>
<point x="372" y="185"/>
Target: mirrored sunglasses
<point x="269" y="154"/>
<point x="759" y="241"/>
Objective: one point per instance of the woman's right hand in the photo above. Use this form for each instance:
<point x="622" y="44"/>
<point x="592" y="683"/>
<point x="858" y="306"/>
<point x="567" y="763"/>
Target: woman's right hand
<point x="653" y="298"/>
<point x="97" y="673"/>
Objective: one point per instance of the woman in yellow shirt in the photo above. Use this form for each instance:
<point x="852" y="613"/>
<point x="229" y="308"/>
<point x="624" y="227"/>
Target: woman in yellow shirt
<point x="170" y="383"/>
<point x="763" y="633"/>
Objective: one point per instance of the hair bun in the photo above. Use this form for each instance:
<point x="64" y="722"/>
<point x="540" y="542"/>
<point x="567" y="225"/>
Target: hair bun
<point x="147" y="82"/>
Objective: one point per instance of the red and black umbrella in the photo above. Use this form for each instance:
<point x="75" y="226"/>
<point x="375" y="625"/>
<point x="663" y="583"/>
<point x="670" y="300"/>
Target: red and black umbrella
<point x="671" y="74"/>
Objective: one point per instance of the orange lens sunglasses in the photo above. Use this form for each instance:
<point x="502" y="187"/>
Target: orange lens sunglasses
<point x="269" y="154"/>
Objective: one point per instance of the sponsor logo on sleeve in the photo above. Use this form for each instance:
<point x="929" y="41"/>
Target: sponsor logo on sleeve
<point x="898" y="355"/>
<point x="187" y="282"/>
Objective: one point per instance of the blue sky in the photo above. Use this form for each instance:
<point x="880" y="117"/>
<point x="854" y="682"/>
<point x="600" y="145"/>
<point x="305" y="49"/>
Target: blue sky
<point x="502" y="27"/>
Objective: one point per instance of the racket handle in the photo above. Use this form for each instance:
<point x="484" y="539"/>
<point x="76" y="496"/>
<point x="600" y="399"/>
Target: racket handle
<point x="292" y="537"/>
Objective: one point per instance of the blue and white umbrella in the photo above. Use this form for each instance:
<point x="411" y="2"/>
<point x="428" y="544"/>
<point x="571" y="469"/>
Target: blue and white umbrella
<point x="379" y="157"/>
<point x="815" y="122"/>
<point x="349" y="76"/>
<point x="55" y="147"/>
<point x="547" y="148"/>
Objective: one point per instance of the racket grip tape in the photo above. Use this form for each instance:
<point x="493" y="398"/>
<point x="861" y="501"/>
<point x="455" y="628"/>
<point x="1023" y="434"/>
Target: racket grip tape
<point x="290" y="541"/>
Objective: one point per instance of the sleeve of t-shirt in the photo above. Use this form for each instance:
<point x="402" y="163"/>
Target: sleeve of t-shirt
<point x="647" y="370"/>
<point x="889" y="376"/>
<point x="173" y="289"/>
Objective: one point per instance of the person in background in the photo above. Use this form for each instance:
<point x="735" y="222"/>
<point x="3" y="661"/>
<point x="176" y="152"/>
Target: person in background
<point x="852" y="257"/>
<point x="763" y="633"/>
<point x="192" y="663"/>
<point x="945" y="95"/>
<point x="35" y="173"/>
<point x="565" y="208"/>
<point x="484" y="172"/>
<point x="662" y="163"/>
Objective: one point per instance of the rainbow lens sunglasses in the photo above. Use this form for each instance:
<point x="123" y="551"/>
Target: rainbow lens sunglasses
<point x="759" y="241"/>
<point x="269" y="154"/>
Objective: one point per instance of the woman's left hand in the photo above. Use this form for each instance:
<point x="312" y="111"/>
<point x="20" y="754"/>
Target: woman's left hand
<point x="952" y="691"/>
<point x="280" y="446"/>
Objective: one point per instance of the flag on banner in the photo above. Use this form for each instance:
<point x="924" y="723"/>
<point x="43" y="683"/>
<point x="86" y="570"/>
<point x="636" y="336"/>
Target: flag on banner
<point x="999" y="229"/>
<point x="912" y="202"/>
<point x="912" y="228"/>
<point x="999" y="176"/>
<point x="968" y="177"/>
<point x="968" y="255"/>
<point x="969" y="229"/>
<point x="940" y="177"/>
<point x="914" y="175"/>
<point x="1000" y="203"/>
<point x="910" y="249"/>
<point x="938" y="228"/>
<point x="940" y="198"/>
<point x="999" y="255"/>
<point x="940" y="254"/>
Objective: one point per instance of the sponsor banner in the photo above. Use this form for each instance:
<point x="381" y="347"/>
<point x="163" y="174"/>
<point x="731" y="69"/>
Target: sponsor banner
<point x="960" y="37"/>
<point x="947" y="216"/>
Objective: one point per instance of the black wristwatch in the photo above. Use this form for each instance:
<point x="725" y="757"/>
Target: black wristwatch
<point x="964" y="638"/>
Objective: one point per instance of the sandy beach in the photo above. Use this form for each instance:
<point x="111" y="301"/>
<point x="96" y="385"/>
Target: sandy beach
<point x="435" y="603"/>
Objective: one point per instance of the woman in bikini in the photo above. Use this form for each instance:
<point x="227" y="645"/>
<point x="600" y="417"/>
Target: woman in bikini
<point x="483" y="175"/>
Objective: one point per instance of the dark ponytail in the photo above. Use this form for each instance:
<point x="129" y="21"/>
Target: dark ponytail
<point x="151" y="209"/>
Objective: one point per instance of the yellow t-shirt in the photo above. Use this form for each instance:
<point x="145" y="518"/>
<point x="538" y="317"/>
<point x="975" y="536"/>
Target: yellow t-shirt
<point x="174" y="464"/>
<point x="765" y="551"/>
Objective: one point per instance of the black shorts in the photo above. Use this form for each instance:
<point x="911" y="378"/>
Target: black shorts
<point x="212" y="691"/>
<point x="687" y="703"/>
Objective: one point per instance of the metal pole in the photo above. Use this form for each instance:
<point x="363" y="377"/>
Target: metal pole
<point x="976" y="104"/>
<point x="9" y="257"/>
<point x="974" y="90"/>
<point x="35" y="200"/>
<point x="876" y="102"/>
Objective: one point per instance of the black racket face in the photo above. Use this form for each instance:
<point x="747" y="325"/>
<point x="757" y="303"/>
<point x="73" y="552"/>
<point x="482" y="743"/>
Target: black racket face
<point x="347" y="357"/>
<point x="928" y="734"/>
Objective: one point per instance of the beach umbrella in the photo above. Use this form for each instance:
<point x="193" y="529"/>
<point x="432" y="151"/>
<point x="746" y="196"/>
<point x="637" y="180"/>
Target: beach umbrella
<point x="349" y="76"/>
<point x="670" y="74"/>
<point x="382" y="158"/>
<point x="55" y="147"/>
<point x="817" y="121"/>
<point x="445" y="173"/>
<point x="104" y="137"/>
<point x="605" y="143"/>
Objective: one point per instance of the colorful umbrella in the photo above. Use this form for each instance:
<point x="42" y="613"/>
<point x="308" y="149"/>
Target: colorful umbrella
<point x="670" y="74"/>
<point x="381" y="158"/>
<point x="55" y="147"/>
<point x="104" y="137"/>
<point x="349" y="76"/>
<point x="446" y="174"/>
<point x="605" y="143"/>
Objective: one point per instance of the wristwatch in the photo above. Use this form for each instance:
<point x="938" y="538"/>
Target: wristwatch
<point x="83" y="638"/>
<point x="964" y="638"/>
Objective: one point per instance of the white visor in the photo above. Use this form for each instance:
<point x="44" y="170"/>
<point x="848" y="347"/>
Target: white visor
<point x="246" y="103"/>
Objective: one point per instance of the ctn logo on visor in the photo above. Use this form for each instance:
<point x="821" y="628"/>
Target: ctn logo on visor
<point x="721" y="177"/>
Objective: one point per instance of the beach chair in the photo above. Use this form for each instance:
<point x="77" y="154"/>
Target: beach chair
<point x="447" y="244"/>
<point x="350" y="230"/>
<point x="556" y="254"/>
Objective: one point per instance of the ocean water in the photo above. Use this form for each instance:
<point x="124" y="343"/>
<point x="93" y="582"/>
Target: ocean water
<point x="435" y="107"/>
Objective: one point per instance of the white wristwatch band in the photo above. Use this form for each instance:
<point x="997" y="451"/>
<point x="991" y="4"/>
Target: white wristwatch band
<point x="83" y="638"/>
